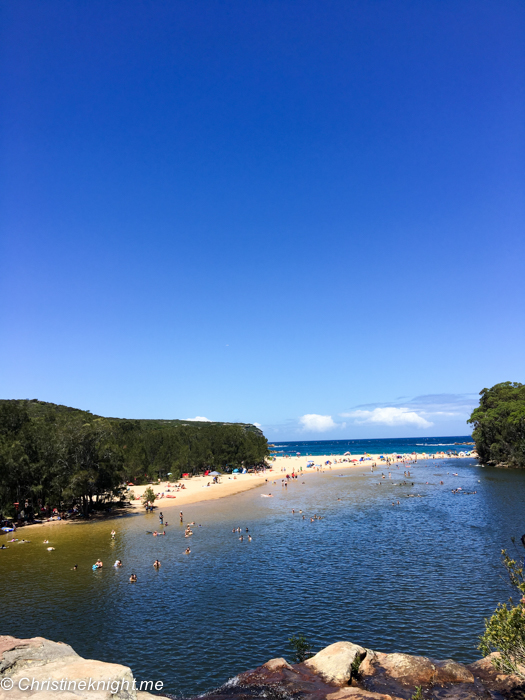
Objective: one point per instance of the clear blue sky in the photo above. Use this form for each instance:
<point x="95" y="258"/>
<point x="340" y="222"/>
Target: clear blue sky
<point x="308" y="215"/>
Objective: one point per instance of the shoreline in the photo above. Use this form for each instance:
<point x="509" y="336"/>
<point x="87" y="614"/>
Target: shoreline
<point x="196" y="489"/>
<point x="230" y="485"/>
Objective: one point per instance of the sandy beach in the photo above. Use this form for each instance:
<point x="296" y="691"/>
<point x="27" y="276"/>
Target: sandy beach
<point x="202" y="488"/>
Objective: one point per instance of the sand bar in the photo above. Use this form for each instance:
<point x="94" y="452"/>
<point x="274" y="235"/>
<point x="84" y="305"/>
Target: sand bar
<point x="196" y="489"/>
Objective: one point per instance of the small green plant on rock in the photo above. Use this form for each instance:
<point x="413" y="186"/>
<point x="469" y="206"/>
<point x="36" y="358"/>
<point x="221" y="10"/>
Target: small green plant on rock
<point x="355" y="667"/>
<point x="418" y="695"/>
<point x="301" y="648"/>
<point x="505" y="631"/>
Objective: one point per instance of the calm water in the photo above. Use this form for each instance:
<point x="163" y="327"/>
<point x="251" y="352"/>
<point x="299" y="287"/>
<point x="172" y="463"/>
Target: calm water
<point x="376" y="446"/>
<point x="419" y="577"/>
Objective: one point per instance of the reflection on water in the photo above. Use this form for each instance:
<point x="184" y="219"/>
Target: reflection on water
<point x="419" y="577"/>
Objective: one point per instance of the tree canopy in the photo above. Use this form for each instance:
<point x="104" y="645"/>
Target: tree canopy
<point x="499" y="425"/>
<point x="57" y="456"/>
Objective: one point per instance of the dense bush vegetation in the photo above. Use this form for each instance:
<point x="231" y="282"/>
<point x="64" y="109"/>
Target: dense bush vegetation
<point x="499" y="425"/>
<point x="57" y="456"/>
<point x="505" y="630"/>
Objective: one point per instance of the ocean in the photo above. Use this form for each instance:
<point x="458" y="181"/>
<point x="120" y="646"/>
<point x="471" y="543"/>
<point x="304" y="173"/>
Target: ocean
<point x="378" y="446"/>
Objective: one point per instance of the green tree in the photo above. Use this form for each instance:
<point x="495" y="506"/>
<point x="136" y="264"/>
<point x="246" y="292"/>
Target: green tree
<point x="499" y="425"/>
<point x="505" y="630"/>
<point x="148" y="496"/>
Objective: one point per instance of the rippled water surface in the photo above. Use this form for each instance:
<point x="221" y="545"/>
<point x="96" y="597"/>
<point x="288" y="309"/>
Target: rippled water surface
<point x="417" y="577"/>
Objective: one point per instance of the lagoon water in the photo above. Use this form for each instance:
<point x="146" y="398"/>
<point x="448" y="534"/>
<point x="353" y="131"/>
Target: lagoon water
<point x="419" y="577"/>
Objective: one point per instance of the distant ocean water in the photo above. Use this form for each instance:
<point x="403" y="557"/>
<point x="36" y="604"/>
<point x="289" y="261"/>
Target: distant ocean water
<point x="378" y="446"/>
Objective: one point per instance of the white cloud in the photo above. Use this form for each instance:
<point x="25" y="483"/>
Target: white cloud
<point x="389" y="415"/>
<point x="317" y="423"/>
<point x="258" y="425"/>
<point x="201" y="419"/>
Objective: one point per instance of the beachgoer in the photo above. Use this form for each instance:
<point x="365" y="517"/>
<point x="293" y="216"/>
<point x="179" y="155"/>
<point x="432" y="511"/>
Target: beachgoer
<point x="156" y="564"/>
<point x="188" y="550"/>
<point x="113" y="533"/>
<point x="133" y="578"/>
<point x="75" y="567"/>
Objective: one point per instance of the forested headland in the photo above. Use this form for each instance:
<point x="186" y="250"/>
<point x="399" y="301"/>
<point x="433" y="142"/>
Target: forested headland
<point x="499" y="425"/>
<point x="57" y="456"/>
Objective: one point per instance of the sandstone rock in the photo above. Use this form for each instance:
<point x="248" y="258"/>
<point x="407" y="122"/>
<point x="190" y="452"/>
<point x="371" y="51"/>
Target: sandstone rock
<point x="277" y="664"/>
<point x="449" y="671"/>
<point x="17" y="654"/>
<point x="357" y="694"/>
<point x="400" y="674"/>
<point x="44" y="670"/>
<point x="334" y="663"/>
<point x="510" y="686"/>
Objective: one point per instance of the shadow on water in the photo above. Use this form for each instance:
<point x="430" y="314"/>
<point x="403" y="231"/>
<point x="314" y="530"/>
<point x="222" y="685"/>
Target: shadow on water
<point x="418" y="577"/>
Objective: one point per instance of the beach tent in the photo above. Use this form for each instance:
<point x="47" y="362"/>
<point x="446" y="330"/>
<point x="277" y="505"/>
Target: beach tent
<point x="235" y="471"/>
<point x="214" y="474"/>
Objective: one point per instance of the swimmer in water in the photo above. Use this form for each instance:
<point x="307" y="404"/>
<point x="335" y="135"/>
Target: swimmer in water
<point x="188" y="550"/>
<point x="133" y="578"/>
<point x="99" y="564"/>
<point x="46" y="541"/>
<point x="249" y="538"/>
<point x="117" y="563"/>
<point x="156" y="564"/>
<point x="75" y="567"/>
<point x="113" y="533"/>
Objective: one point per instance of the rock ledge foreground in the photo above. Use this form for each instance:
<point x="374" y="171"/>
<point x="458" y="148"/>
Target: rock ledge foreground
<point x="341" y="671"/>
